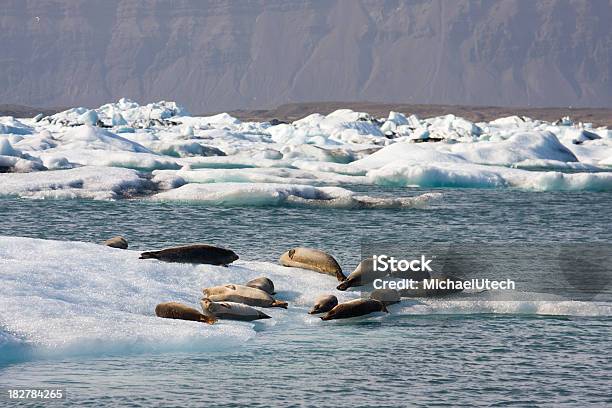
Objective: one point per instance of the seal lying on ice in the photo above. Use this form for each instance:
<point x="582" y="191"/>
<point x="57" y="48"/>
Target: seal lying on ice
<point x="262" y="283"/>
<point x="363" y="274"/>
<point x="324" y="304"/>
<point x="354" y="308"/>
<point x="387" y="296"/>
<point x="242" y="294"/>
<point x="175" y="310"/>
<point x="117" y="242"/>
<point x="314" y="260"/>
<point x="195" y="254"/>
<point x="231" y="311"/>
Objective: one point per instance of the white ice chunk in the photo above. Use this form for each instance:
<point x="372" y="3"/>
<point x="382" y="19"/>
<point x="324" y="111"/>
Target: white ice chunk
<point x="89" y="118"/>
<point x="93" y="138"/>
<point x="481" y="176"/>
<point x="83" y="182"/>
<point x="84" y="299"/>
<point x="270" y="194"/>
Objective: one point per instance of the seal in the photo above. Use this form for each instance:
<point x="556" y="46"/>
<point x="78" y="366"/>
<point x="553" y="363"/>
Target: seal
<point x="363" y="274"/>
<point x="422" y="291"/>
<point x="354" y="308"/>
<point x="313" y="259"/>
<point x="242" y="294"/>
<point x="117" y="242"/>
<point x="175" y="310"/>
<point x="262" y="283"/>
<point x="324" y="304"/>
<point x="195" y="254"/>
<point x="231" y="311"/>
<point x="387" y="296"/>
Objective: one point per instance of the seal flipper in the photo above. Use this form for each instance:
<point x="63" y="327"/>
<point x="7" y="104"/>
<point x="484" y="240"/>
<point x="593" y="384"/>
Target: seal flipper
<point x="149" y="255"/>
<point x="344" y="285"/>
<point x="340" y="276"/>
<point x="262" y="315"/>
<point x="280" y="303"/>
<point x="208" y="319"/>
<point x="384" y="308"/>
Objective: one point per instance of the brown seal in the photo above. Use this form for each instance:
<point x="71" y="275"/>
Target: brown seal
<point x="242" y="294"/>
<point x="324" y="304"/>
<point x="175" y="310"/>
<point x="363" y="274"/>
<point x="262" y="283"/>
<point x="231" y="311"/>
<point x="313" y="259"/>
<point x="195" y="254"/>
<point x="354" y="308"/>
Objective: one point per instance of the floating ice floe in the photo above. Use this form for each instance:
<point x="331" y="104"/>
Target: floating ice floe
<point x="83" y="299"/>
<point x="84" y="182"/>
<point x="481" y="176"/>
<point x="269" y="194"/>
<point x="342" y="148"/>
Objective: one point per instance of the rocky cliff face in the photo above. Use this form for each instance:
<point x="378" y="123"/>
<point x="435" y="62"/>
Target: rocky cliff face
<point x="220" y="55"/>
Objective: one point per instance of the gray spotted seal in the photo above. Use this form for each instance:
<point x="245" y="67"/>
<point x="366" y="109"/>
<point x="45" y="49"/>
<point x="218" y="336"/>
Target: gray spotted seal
<point x="117" y="242"/>
<point x="262" y="283"/>
<point x="175" y="310"/>
<point x="242" y="294"/>
<point x="387" y="296"/>
<point x="354" y="308"/>
<point x="313" y="259"/>
<point x="363" y="274"/>
<point x="231" y="311"/>
<point x="324" y="304"/>
<point x="195" y="254"/>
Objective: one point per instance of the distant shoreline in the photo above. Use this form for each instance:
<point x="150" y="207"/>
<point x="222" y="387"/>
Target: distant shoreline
<point x="293" y="111"/>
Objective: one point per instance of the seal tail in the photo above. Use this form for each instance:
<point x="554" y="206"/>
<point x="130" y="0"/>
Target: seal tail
<point x="148" y="255"/>
<point x="262" y="315"/>
<point x="340" y="276"/>
<point x="280" y="303"/>
<point x="326" y="317"/>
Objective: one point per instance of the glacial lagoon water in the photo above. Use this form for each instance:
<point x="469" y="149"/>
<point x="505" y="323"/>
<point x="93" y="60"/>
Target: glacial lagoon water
<point x="463" y="358"/>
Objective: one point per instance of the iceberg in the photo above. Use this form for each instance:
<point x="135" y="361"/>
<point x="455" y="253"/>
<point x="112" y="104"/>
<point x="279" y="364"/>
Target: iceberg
<point x="125" y="111"/>
<point x="342" y="148"/>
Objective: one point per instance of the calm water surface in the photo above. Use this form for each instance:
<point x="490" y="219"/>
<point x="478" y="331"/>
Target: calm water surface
<point x="453" y="360"/>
